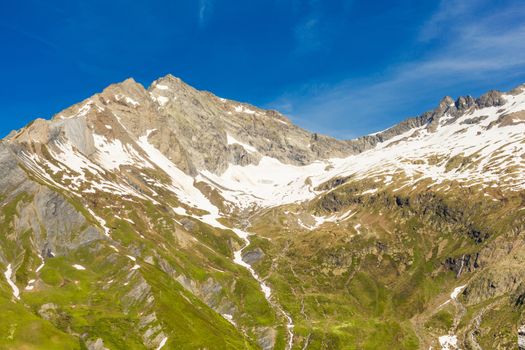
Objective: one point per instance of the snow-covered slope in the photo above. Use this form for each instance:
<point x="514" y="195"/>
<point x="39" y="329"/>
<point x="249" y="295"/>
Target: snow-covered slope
<point x="482" y="146"/>
<point x="488" y="144"/>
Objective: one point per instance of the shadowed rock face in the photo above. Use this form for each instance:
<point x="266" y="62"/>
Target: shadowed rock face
<point x="46" y="213"/>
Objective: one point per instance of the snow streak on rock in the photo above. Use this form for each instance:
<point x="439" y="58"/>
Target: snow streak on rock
<point x="8" y="274"/>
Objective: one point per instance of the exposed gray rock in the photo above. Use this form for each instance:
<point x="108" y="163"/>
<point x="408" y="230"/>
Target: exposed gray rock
<point x="490" y="99"/>
<point x="431" y="118"/>
<point x="139" y="292"/>
<point x="521" y="338"/>
<point x="253" y="256"/>
<point x="158" y="339"/>
<point x="61" y="220"/>
<point x="48" y="311"/>
<point x="476" y="120"/>
<point x="463" y="103"/>
<point x="517" y="90"/>
<point x="97" y="344"/>
<point x="188" y="126"/>
<point x="12" y="177"/>
<point x="147" y="320"/>
<point x="188" y="224"/>
<point x="266" y="337"/>
<point x="152" y="331"/>
<point x="239" y="155"/>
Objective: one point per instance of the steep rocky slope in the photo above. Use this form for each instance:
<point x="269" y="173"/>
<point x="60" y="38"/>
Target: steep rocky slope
<point x="170" y="218"/>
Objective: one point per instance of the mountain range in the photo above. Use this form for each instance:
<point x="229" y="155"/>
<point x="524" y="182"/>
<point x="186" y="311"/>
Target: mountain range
<point x="171" y="218"/>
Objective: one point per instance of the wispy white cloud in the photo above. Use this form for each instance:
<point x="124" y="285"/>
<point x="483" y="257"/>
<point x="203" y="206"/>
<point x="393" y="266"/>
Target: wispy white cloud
<point x="307" y="31"/>
<point x="448" y="11"/>
<point x="307" y="35"/>
<point x="474" y="50"/>
<point x="29" y="35"/>
<point x="205" y="11"/>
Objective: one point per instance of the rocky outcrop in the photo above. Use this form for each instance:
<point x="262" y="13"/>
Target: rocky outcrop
<point x="465" y="263"/>
<point x="521" y="338"/>
<point x="97" y="344"/>
<point x="253" y="256"/>
<point x="266" y="338"/>
<point x="431" y="119"/>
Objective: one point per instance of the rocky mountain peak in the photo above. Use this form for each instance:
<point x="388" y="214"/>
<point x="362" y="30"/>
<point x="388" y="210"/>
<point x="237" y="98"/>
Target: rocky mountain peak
<point x="492" y="98"/>
<point x="445" y="102"/>
<point x="200" y="131"/>
<point x="464" y="102"/>
<point x="195" y="129"/>
<point x="172" y="82"/>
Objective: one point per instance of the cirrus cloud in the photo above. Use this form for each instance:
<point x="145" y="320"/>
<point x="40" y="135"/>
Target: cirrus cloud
<point x="476" y="50"/>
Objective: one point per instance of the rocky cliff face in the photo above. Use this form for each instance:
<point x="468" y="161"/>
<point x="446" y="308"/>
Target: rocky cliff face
<point x="195" y="129"/>
<point x="124" y="216"/>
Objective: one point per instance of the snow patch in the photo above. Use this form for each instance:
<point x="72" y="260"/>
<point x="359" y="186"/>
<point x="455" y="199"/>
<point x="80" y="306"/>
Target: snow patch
<point x="404" y="157"/>
<point x="163" y="341"/>
<point x="448" y="342"/>
<point x="8" y="274"/>
<point x="101" y="221"/>
<point x="30" y="285"/>
<point x="162" y="100"/>
<point x="182" y="184"/>
<point x="229" y="318"/>
<point x="270" y="183"/>
<point x="112" y="154"/>
<point x="455" y="293"/>
<point x="127" y="99"/>
<point x="41" y="266"/>
<point x="237" y="258"/>
<point x="242" y="109"/>
<point x="83" y="111"/>
<point x="114" y="248"/>
<point x="132" y="102"/>
<point x="231" y="141"/>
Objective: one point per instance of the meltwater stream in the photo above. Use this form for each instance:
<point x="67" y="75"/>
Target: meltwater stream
<point x="237" y="258"/>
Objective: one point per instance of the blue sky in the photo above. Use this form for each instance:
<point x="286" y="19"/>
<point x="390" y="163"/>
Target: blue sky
<point x="340" y="67"/>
